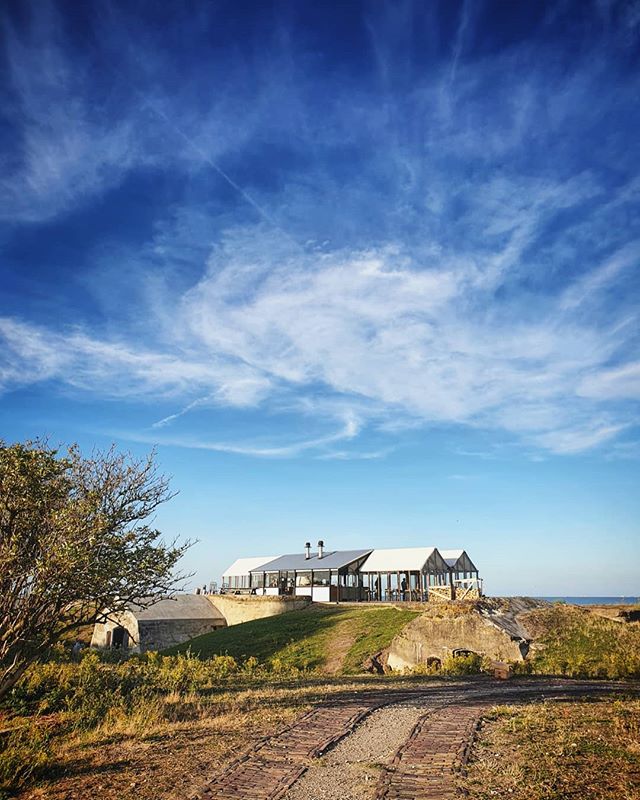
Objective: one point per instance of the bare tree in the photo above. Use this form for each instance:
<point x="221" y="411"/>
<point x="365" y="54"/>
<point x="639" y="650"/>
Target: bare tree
<point x="75" y="540"/>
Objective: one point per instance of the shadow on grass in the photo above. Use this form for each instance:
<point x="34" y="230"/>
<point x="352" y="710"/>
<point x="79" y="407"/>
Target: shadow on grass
<point x="302" y="638"/>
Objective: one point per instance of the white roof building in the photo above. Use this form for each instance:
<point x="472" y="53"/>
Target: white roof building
<point x="238" y="575"/>
<point x="407" y="573"/>
<point x="405" y="559"/>
<point x="243" y="566"/>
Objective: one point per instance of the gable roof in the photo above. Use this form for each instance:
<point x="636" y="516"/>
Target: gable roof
<point x="451" y="556"/>
<point x="458" y="560"/>
<point x="243" y="566"/>
<point x="332" y="559"/>
<point x="404" y="559"/>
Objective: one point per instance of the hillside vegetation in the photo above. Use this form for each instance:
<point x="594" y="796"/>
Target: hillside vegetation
<point x="577" y="643"/>
<point x="334" y="640"/>
<point x="566" y="640"/>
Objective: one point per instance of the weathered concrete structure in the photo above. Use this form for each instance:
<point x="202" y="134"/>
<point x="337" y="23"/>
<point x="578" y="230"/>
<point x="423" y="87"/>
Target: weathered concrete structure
<point x="491" y="627"/>
<point x="244" y="608"/>
<point x="178" y="619"/>
<point x="171" y="621"/>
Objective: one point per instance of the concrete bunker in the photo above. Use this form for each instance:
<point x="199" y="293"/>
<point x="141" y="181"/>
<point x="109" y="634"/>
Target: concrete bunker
<point x="491" y="627"/>
<point x="171" y="621"/>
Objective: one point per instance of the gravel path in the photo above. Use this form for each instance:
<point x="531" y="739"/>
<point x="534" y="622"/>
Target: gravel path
<point x="351" y="770"/>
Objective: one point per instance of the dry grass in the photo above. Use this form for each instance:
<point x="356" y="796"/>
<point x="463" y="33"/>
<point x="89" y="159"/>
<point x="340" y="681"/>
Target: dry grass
<point x="573" y="641"/>
<point x="166" y="748"/>
<point x="558" y="751"/>
<point x="158" y="747"/>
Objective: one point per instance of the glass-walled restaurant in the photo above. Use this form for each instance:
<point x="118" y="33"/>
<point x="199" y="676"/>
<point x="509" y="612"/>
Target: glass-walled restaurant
<point x="324" y="577"/>
<point x="409" y="573"/>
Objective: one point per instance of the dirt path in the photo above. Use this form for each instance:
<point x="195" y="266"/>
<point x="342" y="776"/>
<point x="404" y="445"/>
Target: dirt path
<point x="274" y="764"/>
<point x="399" y="745"/>
<point x="342" y="639"/>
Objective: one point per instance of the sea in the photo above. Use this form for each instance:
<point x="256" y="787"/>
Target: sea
<point x="594" y="601"/>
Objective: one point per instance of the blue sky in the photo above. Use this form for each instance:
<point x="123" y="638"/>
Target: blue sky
<point x="365" y="272"/>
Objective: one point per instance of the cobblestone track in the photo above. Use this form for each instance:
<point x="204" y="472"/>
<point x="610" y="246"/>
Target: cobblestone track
<point x="424" y="767"/>
<point x="267" y="770"/>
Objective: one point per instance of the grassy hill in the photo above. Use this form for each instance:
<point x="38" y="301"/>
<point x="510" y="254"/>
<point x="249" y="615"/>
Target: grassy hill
<point x="573" y="641"/>
<point x="334" y="640"/>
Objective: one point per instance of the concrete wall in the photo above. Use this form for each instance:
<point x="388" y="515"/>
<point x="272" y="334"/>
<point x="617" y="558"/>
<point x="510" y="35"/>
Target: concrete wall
<point x="244" y="608"/>
<point x="163" y="633"/>
<point x="430" y="637"/>
<point x="154" y="634"/>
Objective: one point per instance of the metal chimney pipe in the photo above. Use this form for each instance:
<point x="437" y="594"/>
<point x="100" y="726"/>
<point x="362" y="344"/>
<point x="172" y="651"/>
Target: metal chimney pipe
<point x="307" y="550"/>
<point x="320" y="548"/>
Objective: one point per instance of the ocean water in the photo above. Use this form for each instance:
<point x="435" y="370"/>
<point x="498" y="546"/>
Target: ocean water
<point x="594" y="601"/>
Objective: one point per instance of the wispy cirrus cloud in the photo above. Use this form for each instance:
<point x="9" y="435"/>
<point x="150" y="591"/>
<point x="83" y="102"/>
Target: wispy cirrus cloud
<point x="367" y="327"/>
<point x="435" y="245"/>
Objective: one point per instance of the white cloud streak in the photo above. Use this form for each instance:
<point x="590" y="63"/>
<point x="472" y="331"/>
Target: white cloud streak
<point x="373" y="330"/>
<point x="473" y="269"/>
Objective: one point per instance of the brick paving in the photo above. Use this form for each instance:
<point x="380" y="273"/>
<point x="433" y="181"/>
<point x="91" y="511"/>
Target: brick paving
<point x="267" y="770"/>
<point x="424" y="768"/>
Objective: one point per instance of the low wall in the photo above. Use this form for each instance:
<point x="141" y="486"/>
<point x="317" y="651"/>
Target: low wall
<point x="244" y="608"/>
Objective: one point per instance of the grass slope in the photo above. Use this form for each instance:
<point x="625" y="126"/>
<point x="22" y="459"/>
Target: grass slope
<point x="338" y="638"/>
<point x="575" y="642"/>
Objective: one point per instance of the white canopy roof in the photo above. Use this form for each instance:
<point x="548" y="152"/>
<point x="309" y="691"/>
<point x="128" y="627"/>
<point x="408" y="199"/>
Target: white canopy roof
<point x="400" y="559"/>
<point x="243" y="566"/>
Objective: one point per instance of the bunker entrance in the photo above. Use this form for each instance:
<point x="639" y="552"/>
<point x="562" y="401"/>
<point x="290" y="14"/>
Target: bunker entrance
<point x="120" y="638"/>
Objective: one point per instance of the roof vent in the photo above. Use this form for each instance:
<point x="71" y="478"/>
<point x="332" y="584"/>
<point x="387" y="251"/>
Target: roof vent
<point x="307" y="550"/>
<point x="320" y="548"/>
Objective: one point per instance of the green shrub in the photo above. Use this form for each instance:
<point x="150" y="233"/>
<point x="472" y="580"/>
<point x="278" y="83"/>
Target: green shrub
<point x="24" y="752"/>
<point x="471" y="664"/>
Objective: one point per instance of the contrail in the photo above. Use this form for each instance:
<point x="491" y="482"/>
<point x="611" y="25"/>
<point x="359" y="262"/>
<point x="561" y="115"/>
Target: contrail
<point x="459" y="40"/>
<point x="208" y="160"/>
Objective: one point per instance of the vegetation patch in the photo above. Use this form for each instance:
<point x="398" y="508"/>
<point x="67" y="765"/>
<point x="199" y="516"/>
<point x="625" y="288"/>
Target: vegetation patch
<point x="558" y="750"/>
<point x="574" y="642"/>
<point x="136" y="728"/>
<point x="304" y="639"/>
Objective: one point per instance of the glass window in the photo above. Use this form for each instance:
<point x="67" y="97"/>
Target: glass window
<point x="321" y="577"/>
<point x="303" y="579"/>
